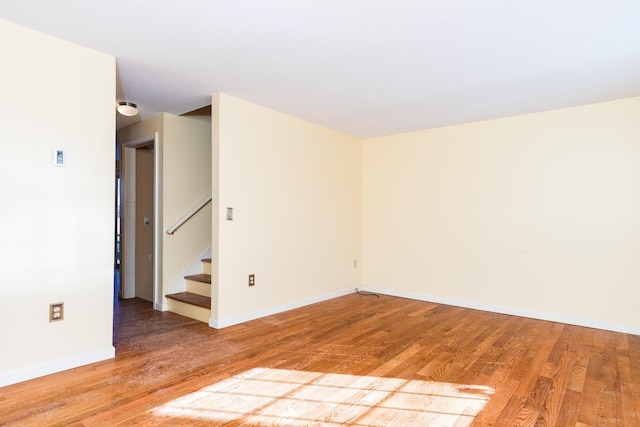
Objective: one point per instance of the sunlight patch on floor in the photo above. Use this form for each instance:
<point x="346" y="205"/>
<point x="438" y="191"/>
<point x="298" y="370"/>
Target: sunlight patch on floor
<point x="295" y="398"/>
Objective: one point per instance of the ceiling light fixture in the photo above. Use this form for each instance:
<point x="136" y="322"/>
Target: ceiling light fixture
<point x="127" y="108"/>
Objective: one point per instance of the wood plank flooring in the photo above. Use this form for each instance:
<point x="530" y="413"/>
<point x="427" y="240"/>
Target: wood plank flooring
<point x="355" y="360"/>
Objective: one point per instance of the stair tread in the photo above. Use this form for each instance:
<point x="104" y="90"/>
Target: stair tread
<point x="191" y="298"/>
<point x="204" y="278"/>
<point x="206" y="260"/>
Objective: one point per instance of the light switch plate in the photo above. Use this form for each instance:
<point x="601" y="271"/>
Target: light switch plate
<point x="59" y="157"/>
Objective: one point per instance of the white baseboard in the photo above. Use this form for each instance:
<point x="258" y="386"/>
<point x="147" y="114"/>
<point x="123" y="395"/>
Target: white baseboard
<point x="552" y="317"/>
<point x="235" y="320"/>
<point x="56" y="366"/>
<point x="160" y="307"/>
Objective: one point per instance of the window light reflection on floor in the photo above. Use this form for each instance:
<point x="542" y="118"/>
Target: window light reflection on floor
<point x="264" y="396"/>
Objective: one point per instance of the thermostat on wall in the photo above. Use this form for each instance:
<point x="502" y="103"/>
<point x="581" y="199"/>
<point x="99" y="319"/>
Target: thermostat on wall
<point x="59" y="157"/>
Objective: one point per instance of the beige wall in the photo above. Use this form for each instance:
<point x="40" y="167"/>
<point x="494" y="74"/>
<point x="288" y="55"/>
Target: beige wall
<point x="57" y="239"/>
<point x="186" y="182"/>
<point x="536" y="214"/>
<point x="184" y="147"/>
<point x="144" y="230"/>
<point x="295" y="188"/>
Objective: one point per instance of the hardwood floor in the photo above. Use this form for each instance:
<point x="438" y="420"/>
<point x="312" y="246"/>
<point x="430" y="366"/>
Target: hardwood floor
<point x="354" y="360"/>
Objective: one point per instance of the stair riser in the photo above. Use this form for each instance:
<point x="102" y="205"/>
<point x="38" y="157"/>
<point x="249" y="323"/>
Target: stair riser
<point x="199" y="288"/>
<point x="206" y="267"/>
<point x="188" y="310"/>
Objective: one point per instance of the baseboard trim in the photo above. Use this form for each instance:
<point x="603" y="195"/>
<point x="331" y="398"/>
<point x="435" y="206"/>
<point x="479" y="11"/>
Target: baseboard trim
<point x="533" y="314"/>
<point x="235" y="320"/>
<point x="56" y="366"/>
<point x="160" y="307"/>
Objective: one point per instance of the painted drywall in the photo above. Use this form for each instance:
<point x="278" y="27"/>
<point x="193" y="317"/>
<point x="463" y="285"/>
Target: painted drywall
<point x="57" y="242"/>
<point x="144" y="228"/>
<point x="184" y="147"/>
<point x="186" y="183"/>
<point x="535" y="214"/>
<point x="295" y="189"/>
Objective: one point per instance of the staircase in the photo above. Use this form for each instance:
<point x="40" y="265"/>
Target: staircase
<point x="196" y="301"/>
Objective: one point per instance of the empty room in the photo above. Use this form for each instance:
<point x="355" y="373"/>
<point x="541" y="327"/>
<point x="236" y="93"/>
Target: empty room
<point x="287" y="213"/>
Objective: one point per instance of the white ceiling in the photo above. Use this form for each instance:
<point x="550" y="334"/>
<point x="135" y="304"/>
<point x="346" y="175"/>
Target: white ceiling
<point x="365" y="67"/>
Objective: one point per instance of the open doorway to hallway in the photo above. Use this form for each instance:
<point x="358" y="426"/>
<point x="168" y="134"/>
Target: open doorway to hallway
<point x="138" y="225"/>
<point x="144" y="220"/>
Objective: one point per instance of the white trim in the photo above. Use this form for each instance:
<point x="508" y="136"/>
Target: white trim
<point x="533" y="314"/>
<point x="158" y="280"/>
<point x="160" y="307"/>
<point x="235" y="320"/>
<point x="56" y="366"/>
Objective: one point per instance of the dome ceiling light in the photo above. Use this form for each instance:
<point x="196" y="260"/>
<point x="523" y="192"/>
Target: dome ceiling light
<point x="128" y="109"/>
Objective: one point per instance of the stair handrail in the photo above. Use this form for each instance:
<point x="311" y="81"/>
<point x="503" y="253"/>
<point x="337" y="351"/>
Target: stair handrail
<point x="188" y="216"/>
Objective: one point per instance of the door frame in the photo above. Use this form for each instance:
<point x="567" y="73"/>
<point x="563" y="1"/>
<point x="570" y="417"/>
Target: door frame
<point x="128" y="227"/>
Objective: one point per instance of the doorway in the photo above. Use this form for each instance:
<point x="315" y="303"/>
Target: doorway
<point x="143" y="220"/>
<point x="141" y="226"/>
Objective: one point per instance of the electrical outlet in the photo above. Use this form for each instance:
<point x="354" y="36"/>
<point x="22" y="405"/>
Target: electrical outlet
<point x="56" y="312"/>
<point x="252" y="280"/>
